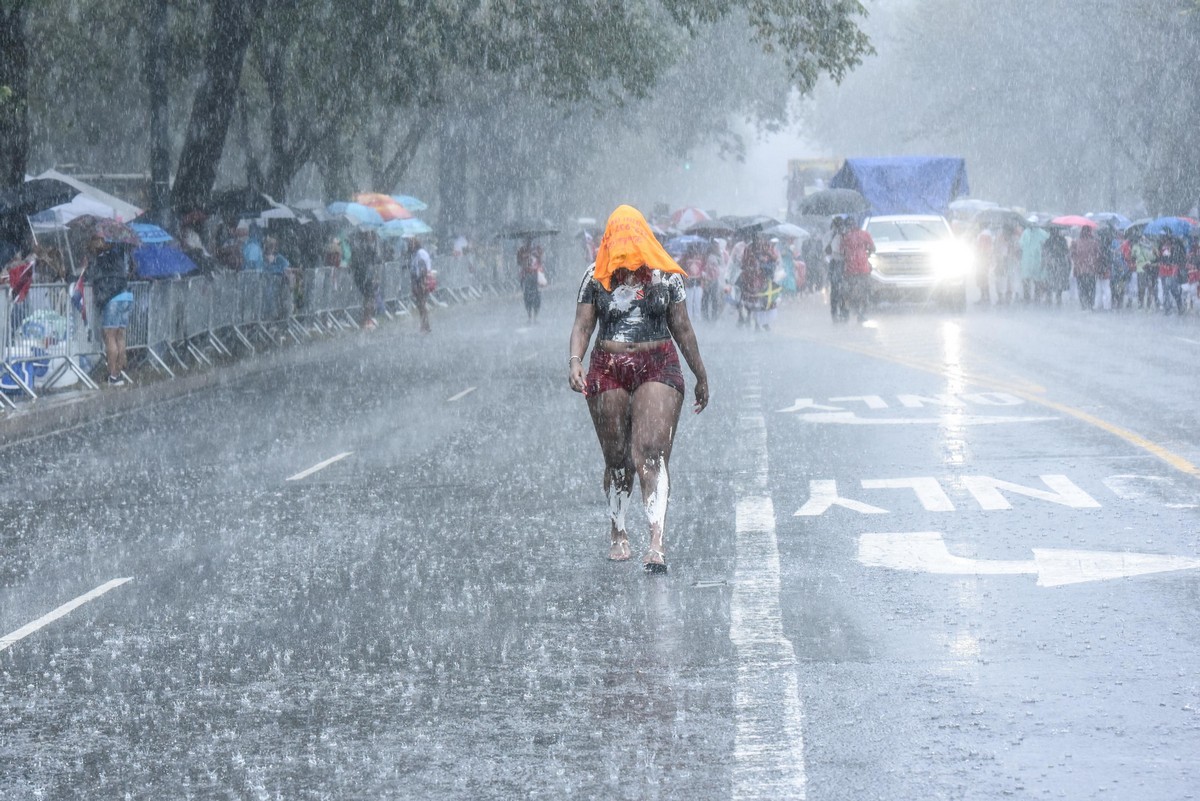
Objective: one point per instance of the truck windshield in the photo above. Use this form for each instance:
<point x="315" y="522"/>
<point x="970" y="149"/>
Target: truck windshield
<point x="906" y="230"/>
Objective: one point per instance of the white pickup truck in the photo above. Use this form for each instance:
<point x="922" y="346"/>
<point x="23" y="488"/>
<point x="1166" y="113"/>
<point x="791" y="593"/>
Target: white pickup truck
<point x="917" y="258"/>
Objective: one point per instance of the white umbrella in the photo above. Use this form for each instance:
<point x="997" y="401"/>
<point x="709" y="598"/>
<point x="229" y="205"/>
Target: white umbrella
<point x="789" y="230"/>
<point x="121" y="210"/>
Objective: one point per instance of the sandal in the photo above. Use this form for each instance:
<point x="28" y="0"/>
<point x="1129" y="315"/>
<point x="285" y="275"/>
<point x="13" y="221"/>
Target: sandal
<point x="623" y="552"/>
<point x="656" y="568"/>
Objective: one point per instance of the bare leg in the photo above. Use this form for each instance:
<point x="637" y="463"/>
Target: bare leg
<point x="655" y="416"/>
<point x="112" y="356"/>
<point x="610" y="416"/>
<point x="121" y="350"/>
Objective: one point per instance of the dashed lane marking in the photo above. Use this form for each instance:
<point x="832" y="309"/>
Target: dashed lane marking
<point x="319" y="466"/>
<point x="461" y="395"/>
<point x="9" y="640"/>
<point x="769" y="740"/>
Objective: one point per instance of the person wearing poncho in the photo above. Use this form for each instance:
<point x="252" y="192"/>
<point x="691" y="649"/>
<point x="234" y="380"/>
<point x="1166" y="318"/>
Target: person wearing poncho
<point x="634" y="385"/>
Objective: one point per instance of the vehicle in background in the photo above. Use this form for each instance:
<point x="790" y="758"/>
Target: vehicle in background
<point x="918" y="258"/>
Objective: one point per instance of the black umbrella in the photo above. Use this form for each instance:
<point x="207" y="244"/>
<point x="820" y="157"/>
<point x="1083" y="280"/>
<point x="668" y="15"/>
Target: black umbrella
<point x="1001" y="217"/>
<point x="528" y="228"/>
<point x="710" y="228"/>
<point x="34" y="196"/>
<point x="828" y="202"/>
<point x="240" y="200"/>
<point x="755" y="223"/>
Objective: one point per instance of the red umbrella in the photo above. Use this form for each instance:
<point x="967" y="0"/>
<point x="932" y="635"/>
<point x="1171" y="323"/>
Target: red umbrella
<point x="113" y="232"/>
<point x="682" y="219"/>
<point x="1074" y="221"/>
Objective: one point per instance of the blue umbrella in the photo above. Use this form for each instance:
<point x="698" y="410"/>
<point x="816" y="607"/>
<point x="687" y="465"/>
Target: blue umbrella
<point x="161" y="261"/>
<point x="356" y="213"/>
<point x="151" y="234"/>
<point x="410" y="227"/>
<point x="411" y="203"/>
<point x="1175" y="226"/>
<point x="678" y="244"/>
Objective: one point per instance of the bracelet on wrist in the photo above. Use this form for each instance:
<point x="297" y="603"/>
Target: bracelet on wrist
<point x="573" y="358"/>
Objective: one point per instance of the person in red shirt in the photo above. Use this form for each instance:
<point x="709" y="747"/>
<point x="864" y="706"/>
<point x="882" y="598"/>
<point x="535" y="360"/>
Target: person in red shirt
<point x="857" y="246"/>
<point x="1085" y="261"/>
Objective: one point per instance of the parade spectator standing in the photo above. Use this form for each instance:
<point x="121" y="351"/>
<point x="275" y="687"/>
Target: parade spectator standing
<point x="985" y="263"/>
<point x="1104" y="272"/>
<point x="228" y="244"/>
<point x="420" y="270"/>
<point x="858" y="246"/>
<point x="1120" y="258"/>
<point x="252" y="251"/>
<point x="276" y="264"/>
<point x="693" y="264"/>
<point x="364" y="267"/>
<point x="1006" y="261"/>
<point x="1171" y="263"/>
<point x="1033" y="272"/>
<point x="1085" y="262"/>
<point x="1057" y="264"/>
<point x="108" y="270"/>
<point x="837" y="270"/>
<point x="532" y="276"/>
<point x="1145" y="262"/>
<point x="713" y="295"/>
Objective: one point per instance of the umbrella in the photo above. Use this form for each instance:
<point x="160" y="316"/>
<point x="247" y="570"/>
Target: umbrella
<point x="411" y="203"/>
<point x="243" y="201"/>
<point x="1074" y="221"/>
<point x="64" y="213"/>
<point x="37" y="194"/>
<point x="1175" y="226"/>
<point x="753" y="223"/>
<point x="1111" y="218"/>
<point x="113" y="232"/>
<point x="787" y="230"/>
<point x="679" y="244"/>
<point x="710" y="228"/>
<point x="356" y="213"/>
<point x="1001" y="217"/>
<point x="687" y="217"/>
<point x="123" y="210"/>
<point x="969" y="206"/>
<point x="409" y="227"/>
<point x="828" y="202"/>
<point x="151" y="234"/>
<point x="529" y="228"/>
<point x="387" y="207"/>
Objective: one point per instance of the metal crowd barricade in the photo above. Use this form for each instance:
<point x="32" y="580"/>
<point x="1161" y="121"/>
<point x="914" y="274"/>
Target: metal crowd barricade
<point x="146" y="329"/>
<point x="198" y="319"/>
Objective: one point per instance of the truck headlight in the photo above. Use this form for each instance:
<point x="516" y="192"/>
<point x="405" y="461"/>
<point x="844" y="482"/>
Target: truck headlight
<point x="953" y="260"/>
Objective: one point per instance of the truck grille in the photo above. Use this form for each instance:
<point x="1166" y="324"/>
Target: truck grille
<point x="904" y="263"/>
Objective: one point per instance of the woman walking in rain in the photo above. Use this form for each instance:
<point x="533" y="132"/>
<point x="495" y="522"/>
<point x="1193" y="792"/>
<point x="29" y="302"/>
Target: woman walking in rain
<point x="634" y="384"/>
<point x="532" y="276"/>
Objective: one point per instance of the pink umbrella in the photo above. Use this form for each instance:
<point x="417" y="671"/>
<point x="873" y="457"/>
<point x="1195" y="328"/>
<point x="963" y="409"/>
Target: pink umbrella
<point x="682" y="219"/>
<point x="1074" y="221"/>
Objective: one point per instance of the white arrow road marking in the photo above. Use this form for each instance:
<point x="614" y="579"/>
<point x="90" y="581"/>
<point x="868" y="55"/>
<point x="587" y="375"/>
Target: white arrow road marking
<point x="926" y="552"/>
<point x="852" y="419"/>
<point x="461" y="395"/>
<point x="808" y="403"/>
<point x="319" y="466"/>
<point x="29" y="628"/>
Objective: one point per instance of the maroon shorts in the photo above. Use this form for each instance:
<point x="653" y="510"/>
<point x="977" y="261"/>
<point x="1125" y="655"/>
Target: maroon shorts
<point x="628" y="371"/>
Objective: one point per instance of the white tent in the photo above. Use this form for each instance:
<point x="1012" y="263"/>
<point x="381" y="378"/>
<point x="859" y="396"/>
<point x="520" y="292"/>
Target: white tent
<point x="102" y="204"/>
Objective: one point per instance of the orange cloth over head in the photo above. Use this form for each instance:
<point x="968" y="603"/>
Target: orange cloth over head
<point x="628" y="242"/>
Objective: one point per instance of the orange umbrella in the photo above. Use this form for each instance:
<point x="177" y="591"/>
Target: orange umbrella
<point x="388" y="208"/>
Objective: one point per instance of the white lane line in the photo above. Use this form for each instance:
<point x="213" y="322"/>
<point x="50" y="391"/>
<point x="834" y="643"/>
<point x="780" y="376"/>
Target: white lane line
<point x="1189" y="341"/>
<point x="45" y="620"/>
<point x="319" y="466"/>
<point x="769" y="743"/>
<point x="461" y="395"/>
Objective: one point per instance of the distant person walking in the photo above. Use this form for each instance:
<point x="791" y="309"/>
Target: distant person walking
<point x="1085" y="262"/>
<point x="531" y="273"/>
<point x="858" y="247"/>
<point x="634" y="384"/>
<point x="836" y="254"/>
<point x="1056" y="261"/>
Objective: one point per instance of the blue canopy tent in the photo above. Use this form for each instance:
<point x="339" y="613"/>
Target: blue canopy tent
<point x="905" y="184"/>
<point x="159" y="256"/>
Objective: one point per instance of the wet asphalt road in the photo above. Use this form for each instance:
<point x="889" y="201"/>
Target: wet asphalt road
<point x="854" y="610"/>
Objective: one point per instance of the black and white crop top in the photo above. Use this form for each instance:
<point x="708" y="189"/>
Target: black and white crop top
<point x="633" y="313"/>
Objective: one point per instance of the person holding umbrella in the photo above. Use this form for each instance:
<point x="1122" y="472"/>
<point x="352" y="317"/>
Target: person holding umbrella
<point x="108" y="269"/>
<point x="634" y="384"/>
<point x="531" y="275"/>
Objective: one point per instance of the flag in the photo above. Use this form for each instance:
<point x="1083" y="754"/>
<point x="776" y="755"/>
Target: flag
<point x="20" y="279"/>
<point x="77" y="297"/>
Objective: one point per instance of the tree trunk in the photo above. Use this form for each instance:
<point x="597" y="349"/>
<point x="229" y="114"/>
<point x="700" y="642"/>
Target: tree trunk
<point x="156" y="88"/>
<point x="215" y="101"/>
<point x="452" y="179"/>
<point x="14" y="94"/>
